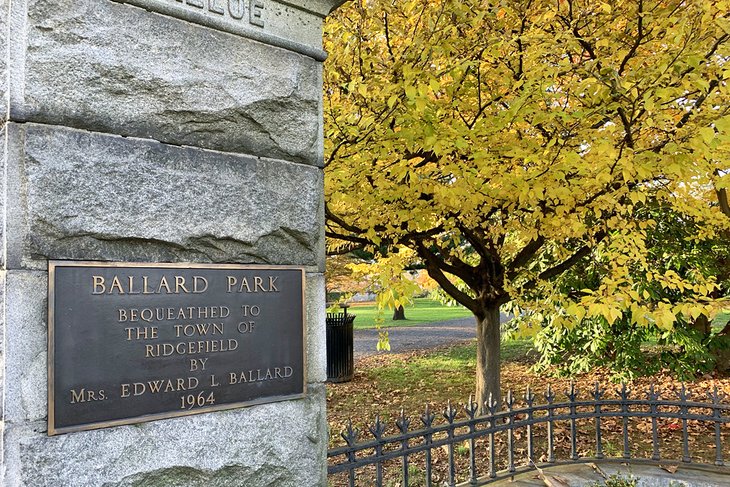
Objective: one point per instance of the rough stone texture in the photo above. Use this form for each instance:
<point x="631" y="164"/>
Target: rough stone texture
<point x="280" y="444"/>
<point x="3" y="329"/>
<point x="3" y="58"/>
<point x="87" y="196"/>
<point x="316" y="331"/>
<point x="322" y="7"/>
<point x="26" y="346"/>
<point x="299" y="27"/>
<point x="3" y="165"/>
<point x="110" y="67"/>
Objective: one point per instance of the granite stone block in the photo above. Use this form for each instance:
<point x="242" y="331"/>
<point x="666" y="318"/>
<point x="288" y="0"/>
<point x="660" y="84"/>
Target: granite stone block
<point x="316" y="339"/>
<point x="111" y="67"/>
<point x="87" y="196"/>
<point x="3" y="165"/>
<point x="3" y="58"/>
<point x="25" y="346"/>
<point x="280" y="444"/>
<point x="3" y="354"/>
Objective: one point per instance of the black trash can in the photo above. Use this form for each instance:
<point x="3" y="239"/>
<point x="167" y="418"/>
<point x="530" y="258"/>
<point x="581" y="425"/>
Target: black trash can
<point x="340" y="361"/>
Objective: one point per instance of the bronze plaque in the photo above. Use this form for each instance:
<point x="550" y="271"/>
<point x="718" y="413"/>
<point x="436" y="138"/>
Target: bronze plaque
<point x="132" y="342"/>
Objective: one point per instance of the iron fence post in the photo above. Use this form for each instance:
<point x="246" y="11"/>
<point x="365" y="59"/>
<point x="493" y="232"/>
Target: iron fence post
<point x="683" y="411"/>
<point x="549" y="397"/>
<point x="625" y="420"/>
<point x="402" y="423"/>
<point x="597" y="393"/>
<point x="427" y="419"/>
<point x="653" y="397"/>
<point x="471" y="409"/>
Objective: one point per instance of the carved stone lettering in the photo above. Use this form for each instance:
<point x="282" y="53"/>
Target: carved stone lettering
<point x="216" y="7"/>
<point x="256" y="11"/>
<point x="280" y="23"/>
<point x="230" y="9"/>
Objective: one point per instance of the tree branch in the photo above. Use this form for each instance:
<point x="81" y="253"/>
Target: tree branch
<point x="434" y="270"/>
<point x="637" y="42"/>
<point x="455" y="266"/>
<point x="524" y="256"/>
<point x="476" y="243"/>
<point x="345" y="250"/>
<point x="348" y="238"/>
<point x="340" y="222"/>
<point x="698" y="104"/>
<point x="566" y="264"/>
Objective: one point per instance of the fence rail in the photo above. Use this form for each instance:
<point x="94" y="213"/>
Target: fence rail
<point x="451" y="431"/>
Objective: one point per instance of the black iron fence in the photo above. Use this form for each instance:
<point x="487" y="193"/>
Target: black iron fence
<point x="487" y="445"/>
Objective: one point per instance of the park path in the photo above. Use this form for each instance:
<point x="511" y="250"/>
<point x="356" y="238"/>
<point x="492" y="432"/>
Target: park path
<point x="418" y="337"/>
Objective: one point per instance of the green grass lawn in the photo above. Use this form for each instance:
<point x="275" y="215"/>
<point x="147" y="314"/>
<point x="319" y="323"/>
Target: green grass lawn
<point x="422" y="311"/>
<point x="448" y="368"/>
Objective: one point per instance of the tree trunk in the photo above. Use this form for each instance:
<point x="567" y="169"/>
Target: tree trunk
<point x="488" y="359"/>
<point x="399" y="313"/>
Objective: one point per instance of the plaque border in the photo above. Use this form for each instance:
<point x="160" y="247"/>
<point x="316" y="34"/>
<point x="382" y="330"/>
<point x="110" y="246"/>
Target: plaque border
<point x="52" y="264"/>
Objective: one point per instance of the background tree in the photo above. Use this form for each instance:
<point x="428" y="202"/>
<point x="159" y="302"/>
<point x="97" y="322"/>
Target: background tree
<point x="691" y="347"/>
<point x="505" y="142"/>
<point x="340" y="279"/>
<point x="387" y="278"/>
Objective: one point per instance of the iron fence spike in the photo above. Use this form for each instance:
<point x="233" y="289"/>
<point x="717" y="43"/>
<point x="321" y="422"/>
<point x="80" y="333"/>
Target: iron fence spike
<point x="402" y="422"/>
<point x="529" y="396"/>
<point x="684" y="393"/>
<point x="597" y="392"/>
<point x="549" y="396"/>
<point x="428" y="417"/>
<point x="571" y="392"/>
<point x="350" y="434"/>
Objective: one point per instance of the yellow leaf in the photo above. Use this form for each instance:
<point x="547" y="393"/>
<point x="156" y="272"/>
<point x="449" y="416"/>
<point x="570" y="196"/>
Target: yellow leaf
<point x="707" y="134"/>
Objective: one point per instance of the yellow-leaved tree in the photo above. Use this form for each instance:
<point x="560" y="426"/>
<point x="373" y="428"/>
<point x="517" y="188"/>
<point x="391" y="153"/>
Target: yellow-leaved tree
<point x="505" y="141"/>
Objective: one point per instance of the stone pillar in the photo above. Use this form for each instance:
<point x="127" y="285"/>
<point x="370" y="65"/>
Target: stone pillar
<point x="159" y="131"/>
